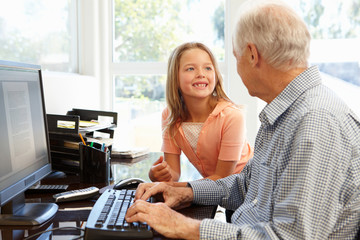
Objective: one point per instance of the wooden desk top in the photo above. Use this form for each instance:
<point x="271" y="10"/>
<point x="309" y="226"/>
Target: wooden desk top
<point x="75" y="214"/>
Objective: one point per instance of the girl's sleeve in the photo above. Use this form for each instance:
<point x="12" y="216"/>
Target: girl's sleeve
<point x="233" y="135"/>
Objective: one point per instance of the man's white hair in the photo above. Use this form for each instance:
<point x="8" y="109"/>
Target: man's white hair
<point x="279" y="34"/>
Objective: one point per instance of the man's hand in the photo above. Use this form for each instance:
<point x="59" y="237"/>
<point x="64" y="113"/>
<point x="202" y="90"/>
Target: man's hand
<point x="174" y="197"/>
<point x="164" y="220"/>
<point x="160" y="171"/>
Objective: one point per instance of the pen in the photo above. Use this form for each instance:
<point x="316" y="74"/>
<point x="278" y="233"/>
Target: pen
<point x="82" y="139"/>
<point x="91" y="144"/>
<point x="103" y="147"/>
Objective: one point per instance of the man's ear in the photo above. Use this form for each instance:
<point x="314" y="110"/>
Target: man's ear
<point x="253" y="54"/>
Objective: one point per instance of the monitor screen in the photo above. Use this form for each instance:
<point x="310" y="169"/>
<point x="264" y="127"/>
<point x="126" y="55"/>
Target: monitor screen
<point x="24" y="144"/>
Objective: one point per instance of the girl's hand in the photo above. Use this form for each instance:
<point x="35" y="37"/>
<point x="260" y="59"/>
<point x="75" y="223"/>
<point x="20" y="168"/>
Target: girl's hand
<point x="160" y="171"/>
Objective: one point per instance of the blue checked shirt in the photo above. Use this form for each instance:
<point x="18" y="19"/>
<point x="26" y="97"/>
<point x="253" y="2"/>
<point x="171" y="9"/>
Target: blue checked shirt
<point x="304" y="179"/>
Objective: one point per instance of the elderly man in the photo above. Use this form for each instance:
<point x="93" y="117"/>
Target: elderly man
<point x="304" y="179"/>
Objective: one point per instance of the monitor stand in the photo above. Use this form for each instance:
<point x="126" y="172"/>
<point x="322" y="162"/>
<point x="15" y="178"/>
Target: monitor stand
<point x="17" y="212"/>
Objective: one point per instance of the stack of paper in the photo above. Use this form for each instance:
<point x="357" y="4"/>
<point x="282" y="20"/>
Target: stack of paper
<point x="117" y="152"/>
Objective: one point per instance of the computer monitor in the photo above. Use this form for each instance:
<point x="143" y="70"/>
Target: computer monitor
<point x="24" y="144"/>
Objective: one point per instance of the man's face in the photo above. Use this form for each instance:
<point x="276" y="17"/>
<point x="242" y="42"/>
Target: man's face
<point x="244" y="70"/>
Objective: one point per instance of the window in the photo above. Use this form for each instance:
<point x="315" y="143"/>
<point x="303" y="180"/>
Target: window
<point x="335" y="31"/>
<point x="145" y="32"/>
<point x="40" y="32"/>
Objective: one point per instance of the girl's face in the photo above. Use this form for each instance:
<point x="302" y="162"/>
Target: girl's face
<point x="196" y="74"/>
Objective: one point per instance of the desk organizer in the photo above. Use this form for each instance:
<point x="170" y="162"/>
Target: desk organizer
<point x="94" y="164"/>
<point x="65" y="139"/>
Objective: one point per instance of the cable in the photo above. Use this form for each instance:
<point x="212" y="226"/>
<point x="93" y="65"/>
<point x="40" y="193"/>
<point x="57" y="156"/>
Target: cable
<point x="53" y="229"/>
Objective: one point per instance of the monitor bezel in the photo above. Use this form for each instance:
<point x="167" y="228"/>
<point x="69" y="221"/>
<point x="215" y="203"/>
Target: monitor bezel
<point x="19" y="186"/>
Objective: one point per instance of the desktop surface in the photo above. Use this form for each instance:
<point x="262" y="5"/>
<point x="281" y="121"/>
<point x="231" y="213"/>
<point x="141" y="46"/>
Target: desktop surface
<point x="75" y="214"/>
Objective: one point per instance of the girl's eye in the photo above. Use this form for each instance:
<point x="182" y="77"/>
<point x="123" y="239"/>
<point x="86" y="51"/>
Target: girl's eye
<point x="209" y="68"/>
<point x="190" y="69"/>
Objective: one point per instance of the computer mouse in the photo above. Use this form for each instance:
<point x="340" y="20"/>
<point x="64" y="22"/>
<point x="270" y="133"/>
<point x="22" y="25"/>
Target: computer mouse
<point x="128" y="183"/>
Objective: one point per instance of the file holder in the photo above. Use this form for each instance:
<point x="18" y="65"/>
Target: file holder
<point x="94" y="164"/>
<point x="64" y="142"/>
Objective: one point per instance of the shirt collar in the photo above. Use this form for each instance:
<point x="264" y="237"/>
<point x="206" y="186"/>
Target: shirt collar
<point x="219" y="107"/>
<point x="306" y="80"/>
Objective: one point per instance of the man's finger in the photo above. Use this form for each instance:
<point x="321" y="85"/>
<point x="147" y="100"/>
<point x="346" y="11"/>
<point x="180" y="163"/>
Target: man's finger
<point x="153" y="190"/>
<point x="136" y="207"/>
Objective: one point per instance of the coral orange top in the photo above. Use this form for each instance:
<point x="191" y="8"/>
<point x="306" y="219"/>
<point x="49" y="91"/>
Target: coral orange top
<point x="222" y="137"/>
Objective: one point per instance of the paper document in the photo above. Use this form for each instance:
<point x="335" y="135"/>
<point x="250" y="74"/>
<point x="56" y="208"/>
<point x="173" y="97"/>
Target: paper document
<point x="117" y="152"/>
<point x="71" y="124"/>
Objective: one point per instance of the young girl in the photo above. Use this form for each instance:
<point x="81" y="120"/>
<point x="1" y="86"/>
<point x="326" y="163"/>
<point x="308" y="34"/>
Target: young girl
<point x="200" y="119"/>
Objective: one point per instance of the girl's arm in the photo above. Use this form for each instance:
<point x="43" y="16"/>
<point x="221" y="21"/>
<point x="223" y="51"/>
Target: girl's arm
<point x="173" y="161"/>
<point x="223" y="169"/>
<point x="171" y="168"/>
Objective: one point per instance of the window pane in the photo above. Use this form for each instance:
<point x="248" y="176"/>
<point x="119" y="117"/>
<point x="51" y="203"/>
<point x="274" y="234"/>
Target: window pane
<point x="145" y="33"/>
<point x="149" y="30"/>
<point x="139" y="101"/>
<point x="335" y="31"/>
<point x="38" y="32"/>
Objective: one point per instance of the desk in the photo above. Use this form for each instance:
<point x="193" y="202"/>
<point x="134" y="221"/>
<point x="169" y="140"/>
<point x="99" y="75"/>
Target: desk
<point x="139" y="167"/>
<point x="75" y="214"/>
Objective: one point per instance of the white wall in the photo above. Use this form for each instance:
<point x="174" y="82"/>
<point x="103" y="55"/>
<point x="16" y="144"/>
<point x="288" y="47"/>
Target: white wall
<point x="235" y="88"/>
<point x="64" y="91"/>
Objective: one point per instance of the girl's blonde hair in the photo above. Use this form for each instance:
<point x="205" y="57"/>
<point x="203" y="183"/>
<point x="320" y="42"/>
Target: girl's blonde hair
<point x="176" y="106"/>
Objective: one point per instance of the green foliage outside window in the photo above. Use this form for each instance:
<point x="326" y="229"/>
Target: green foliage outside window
<point x="146" y="30"/>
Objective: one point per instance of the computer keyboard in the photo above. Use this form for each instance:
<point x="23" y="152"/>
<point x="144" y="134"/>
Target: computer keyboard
<point x="107" y="218"/>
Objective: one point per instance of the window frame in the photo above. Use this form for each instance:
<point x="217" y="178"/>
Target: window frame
<point x="232" y="82"/>
<point x="95" y="59"/>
